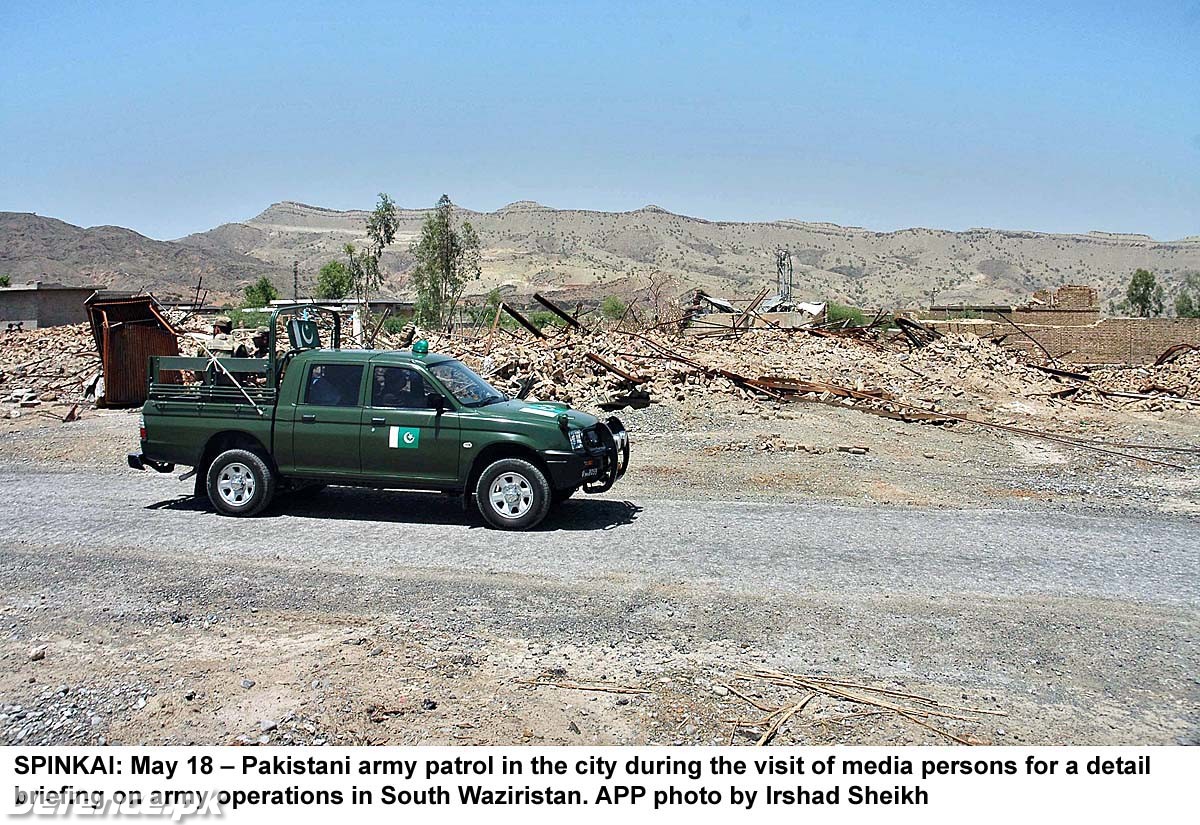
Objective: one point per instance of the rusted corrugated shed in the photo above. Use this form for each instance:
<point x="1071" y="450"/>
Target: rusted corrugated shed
<point x="128" y="331"/>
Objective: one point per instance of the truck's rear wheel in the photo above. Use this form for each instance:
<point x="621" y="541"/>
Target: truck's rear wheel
<point x="512" y="494"/>
<point x="240" y="483"/>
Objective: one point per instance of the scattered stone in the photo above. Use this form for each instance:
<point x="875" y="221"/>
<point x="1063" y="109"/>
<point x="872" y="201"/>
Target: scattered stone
<point x="248" y="683"/>
<point x="267" y="725"/>
<point x="37" y="653"/>
<point x="573" y="728"/>
<point x="428" y="704"/>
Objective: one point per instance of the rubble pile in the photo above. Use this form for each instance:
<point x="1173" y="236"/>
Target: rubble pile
<point x="1169" y="383"/>
<point x="44" y="367"/>
<point x="932" y="379"/>
<point x="775" y="443"/>
<point x="608" y="369"/>
<point x="763" y="443"/>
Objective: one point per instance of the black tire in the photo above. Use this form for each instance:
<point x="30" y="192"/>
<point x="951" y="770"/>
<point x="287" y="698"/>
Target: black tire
<point x="559" y="496"/>
<point x="240" y="483"/>
<point x="523" y="487"/>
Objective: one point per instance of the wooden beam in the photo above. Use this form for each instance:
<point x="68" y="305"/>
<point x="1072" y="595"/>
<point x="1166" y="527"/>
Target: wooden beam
<point x="550" y="305"/>
<point x="523" y="321"/>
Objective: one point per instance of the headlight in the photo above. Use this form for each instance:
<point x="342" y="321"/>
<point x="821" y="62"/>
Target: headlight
<point x="622" y="438"/>
<point x="576" y="439"/>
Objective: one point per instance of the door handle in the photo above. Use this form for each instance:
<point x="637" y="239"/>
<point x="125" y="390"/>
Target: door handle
<point x="378" y="422"/>
<point x="308" y="418"/>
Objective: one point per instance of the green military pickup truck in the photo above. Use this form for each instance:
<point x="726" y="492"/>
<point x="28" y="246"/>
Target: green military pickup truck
<point x="299" y="420"/>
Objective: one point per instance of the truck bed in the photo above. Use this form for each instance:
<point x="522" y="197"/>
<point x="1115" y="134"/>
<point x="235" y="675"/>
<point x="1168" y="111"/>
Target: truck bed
<point x="191" y="399"/>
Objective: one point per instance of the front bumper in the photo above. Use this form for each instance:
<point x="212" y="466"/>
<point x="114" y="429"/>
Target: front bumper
<point x="139" y="462"/>
<point x="571" y="470"/>
<point x="595" y="468"/>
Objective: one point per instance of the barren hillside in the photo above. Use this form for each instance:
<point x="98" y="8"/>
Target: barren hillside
<point x="36" y="248"/>
<point x="531" y="247"/>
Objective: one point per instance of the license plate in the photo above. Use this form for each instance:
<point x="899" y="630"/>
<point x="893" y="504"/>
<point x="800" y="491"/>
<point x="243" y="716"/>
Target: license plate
<point x="591" y="472"/>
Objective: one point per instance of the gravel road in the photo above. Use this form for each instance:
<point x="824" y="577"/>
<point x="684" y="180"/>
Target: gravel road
<point x="1084" y="626"/>
<point x="753" y="546"/>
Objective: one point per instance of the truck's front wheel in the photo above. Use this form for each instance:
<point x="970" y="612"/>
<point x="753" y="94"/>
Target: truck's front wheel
<point x="512" y="494"/>
<point x="240" y="483"/>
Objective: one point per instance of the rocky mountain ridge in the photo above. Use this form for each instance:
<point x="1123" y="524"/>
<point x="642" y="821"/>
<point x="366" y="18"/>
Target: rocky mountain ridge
<point x="529" y="247"/>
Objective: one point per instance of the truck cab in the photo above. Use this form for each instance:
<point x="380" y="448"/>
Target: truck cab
<point x="410" y="419"/>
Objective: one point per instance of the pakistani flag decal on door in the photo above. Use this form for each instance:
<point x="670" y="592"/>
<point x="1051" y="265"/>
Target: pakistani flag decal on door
<point x="408" y="438"/>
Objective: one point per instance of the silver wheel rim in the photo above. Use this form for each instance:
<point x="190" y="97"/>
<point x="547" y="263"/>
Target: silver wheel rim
<point x="236" y="485"/>
<point x="511" y="495"/>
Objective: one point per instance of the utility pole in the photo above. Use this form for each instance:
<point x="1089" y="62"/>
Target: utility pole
<point x="295" y="280"/>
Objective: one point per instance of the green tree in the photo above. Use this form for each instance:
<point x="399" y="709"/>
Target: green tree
<point x="483" y="314"/>
<point x="1141" y="293"/>
<point x="446" y="259"/>
<point x="612" y="307"/>
<point x="1187" y="300"/>
<point x="363" y="264"/>
<point x="260" y="293"/>
<point x="5" y="280"/>
<point x="1158" y="301"/>
<point x="333" y="281"/>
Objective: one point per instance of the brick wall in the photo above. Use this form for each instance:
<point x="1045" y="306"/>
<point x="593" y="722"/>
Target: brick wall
<point x="1109" y="341"/>
<point x="1071" y="296"/>
<point x="1056" y="317"/>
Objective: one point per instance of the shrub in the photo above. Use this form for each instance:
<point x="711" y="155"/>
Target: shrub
<point x="612" y="307"/>
<point x="839" y="312"/>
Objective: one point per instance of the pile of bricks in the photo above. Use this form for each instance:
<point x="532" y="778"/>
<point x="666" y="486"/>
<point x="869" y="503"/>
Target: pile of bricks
<point x="1172" y="383"/>
<point x="46" y="368"/>
<point x="598" y="368"/>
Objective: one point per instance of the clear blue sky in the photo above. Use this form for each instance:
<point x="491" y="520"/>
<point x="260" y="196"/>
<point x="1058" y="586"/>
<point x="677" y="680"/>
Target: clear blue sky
<point x="173" y="117"/>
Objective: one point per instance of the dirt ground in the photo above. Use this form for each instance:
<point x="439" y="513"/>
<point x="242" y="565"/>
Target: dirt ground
<point x="132" y="614"/>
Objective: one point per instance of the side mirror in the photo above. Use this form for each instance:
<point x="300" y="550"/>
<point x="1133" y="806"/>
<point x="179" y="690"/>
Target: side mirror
<point x="435" y="401"/>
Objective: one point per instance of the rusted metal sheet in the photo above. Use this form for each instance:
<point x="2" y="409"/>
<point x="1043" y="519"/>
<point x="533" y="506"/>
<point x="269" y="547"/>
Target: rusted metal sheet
<point x="1172" y="352"/>
<point x="128" y="331"/>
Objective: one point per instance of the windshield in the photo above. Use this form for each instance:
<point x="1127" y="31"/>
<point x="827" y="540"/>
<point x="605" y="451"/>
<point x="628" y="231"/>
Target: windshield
<point x="468" y="388"/>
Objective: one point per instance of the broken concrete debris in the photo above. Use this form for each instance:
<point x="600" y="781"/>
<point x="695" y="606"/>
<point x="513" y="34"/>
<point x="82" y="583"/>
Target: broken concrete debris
<point x="898" y="368"/>
<point x="46" y="368"/>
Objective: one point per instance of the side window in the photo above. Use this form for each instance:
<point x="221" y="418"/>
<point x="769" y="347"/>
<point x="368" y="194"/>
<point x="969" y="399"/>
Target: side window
<point x="333" y="385"/>
<point x="399" y="388"/>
